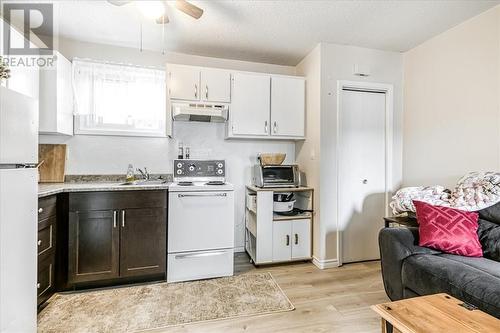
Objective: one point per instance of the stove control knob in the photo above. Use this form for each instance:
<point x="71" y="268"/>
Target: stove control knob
<point x="191" y="167"/>
<point x="179" y="171"/>
<point x="220" y="171"/>
<point x="220" y="165"/>
<point x="179" y="165"/>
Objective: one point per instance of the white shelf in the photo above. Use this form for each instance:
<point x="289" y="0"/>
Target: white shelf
<point x="303" y="216"/>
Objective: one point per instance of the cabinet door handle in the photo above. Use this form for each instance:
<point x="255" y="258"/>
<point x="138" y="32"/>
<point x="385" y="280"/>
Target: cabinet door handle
<point x="123" y="219"/>
<point x="275" y="127"/>
<point x="39" y="242"/>
<point x="287" y="240"/>
<point x="195" y="90"/>
<point x="40" y="210"/>
<point x="206" y="92"/>
<point x="296" y="239"/>
<point x="38" y="285"/>
<point x="265" y="126"/>
<point x="114" y="219"/>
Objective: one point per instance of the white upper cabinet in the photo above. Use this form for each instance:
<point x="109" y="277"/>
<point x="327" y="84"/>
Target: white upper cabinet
<point x="190" y="83"/>
<point x="250" y="104"/>
<point x="215" y="86"/>
<point x="56" y="98"/>
<point x="287" y="106"/>
<point x="183" y="82"/>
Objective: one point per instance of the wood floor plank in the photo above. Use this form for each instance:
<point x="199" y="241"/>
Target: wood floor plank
<point x="333" y="300"/>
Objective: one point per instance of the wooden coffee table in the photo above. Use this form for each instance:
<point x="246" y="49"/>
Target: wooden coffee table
<point x="434" y="313"/>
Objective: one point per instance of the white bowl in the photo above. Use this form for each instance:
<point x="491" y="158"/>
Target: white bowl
<point x="280" y="206"/>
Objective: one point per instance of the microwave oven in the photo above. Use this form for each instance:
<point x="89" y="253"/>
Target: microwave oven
<point x="276" y="176"/>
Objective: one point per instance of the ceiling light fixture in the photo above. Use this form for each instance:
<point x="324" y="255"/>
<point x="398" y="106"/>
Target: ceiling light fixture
<point x="151" y="9"/>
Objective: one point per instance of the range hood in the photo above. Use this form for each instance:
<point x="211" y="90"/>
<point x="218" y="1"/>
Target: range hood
<point x="200" y="112"/>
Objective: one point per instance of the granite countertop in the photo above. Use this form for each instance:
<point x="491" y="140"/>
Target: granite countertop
<point x="96" y="184"/>
<point x="50" y="189"/>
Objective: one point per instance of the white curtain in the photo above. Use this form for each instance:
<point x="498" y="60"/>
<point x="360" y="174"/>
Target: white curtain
<point x="118" y="99"/>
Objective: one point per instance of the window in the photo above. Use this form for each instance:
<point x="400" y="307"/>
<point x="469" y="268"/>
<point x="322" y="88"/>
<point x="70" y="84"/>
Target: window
<point x="112" y="99"/>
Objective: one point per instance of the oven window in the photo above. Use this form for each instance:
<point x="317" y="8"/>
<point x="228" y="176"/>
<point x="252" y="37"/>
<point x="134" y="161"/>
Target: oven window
<point x="278" y="175"/>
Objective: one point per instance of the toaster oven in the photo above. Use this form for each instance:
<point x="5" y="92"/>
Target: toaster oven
<point x="276" y="175"/>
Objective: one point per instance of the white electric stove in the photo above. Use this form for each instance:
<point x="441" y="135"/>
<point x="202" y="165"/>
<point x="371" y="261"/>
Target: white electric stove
<point x="200" y="221"/>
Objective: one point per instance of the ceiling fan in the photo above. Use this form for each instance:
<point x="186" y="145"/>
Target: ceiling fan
<point x="156" y="9"/>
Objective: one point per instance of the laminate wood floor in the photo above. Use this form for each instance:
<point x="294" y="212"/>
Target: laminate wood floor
<point x="331" y="300"/>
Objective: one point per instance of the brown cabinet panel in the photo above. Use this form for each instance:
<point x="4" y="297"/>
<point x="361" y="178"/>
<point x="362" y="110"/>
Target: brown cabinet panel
<point x="86" y="201"/>
<point x="93" y="247"/>
<point x="46" y="207"/>
<point x="45" y="283"/>
<point x="143" y="241"/>
<point x="46" y="236"/>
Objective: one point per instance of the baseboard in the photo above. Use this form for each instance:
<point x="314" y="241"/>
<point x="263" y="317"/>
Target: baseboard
<point x="325" y="264"/>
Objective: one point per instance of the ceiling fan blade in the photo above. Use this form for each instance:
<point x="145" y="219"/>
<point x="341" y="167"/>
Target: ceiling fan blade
<point x="189" y="8"/>
<point x="162" y="19"/>
<point x="119" y="2"/>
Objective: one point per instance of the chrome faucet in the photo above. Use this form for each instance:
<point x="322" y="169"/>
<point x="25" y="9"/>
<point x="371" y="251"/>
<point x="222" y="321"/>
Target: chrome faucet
<point x="145" y="174"/>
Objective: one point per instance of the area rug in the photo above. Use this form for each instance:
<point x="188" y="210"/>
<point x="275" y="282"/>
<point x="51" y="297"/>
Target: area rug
<point x="152" y="306"/>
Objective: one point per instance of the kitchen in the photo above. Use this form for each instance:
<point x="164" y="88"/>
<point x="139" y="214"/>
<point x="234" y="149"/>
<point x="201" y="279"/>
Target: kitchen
<point x="78" y="246"/>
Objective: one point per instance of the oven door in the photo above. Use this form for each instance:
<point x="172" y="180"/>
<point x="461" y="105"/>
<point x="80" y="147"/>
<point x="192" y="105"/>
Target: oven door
<point x="200" y="221"/>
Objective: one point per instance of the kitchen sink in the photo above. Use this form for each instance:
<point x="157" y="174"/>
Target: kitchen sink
<point x="145" y="182"/>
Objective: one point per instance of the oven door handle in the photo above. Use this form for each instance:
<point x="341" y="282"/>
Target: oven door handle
<point x="204" y="254"/>
<point x="202" y="195"/>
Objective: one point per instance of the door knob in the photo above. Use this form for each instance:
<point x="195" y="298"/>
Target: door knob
<point x="365" y="181"/>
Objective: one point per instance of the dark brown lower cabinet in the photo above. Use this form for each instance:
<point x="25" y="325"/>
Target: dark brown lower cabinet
<point x="143" y="241"/>
<point x="116" y="235"/>
<point x="46" y="245"/>
<point x="93" y="246"/>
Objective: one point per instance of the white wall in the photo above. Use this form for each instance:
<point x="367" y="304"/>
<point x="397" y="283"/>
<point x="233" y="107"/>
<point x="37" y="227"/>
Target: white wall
<point x="111" y="155"/>
<point x="452" y="92"/>
<point x="336" y="63"/>
<point x="308" y="151"/>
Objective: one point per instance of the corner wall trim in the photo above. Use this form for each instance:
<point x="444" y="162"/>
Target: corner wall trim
<point x="325" y="264"/>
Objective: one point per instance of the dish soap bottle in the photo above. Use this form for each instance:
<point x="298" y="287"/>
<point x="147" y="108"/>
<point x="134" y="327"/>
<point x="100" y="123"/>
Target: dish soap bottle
<point x="130" y="174"/>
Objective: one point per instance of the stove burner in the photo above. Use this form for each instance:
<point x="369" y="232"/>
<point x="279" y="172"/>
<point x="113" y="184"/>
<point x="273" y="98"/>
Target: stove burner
<point x="185" y="183"/>
<point x="215" y="182"/>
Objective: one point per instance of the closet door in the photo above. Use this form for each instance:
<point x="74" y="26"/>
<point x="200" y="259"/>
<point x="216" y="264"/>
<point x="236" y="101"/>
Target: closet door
<point x="362" y="173"/>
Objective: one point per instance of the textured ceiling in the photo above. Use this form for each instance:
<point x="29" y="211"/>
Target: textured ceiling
<point x="279" y="32"/>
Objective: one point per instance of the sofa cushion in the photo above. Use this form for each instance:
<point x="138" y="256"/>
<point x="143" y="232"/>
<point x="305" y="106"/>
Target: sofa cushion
<point x="491" y="213"/>
<point x="489" y="236"/>
<point x="473" y="280"/>
<point x="447" y="229"/>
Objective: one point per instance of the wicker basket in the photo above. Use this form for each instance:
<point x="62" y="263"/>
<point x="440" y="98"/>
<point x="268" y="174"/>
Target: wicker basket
<point x="271" y="158"/>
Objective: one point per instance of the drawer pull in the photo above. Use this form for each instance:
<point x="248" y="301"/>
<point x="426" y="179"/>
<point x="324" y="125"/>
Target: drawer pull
<point x="39" y="242"/>
<point x="40" y="210"/>
<point x="197" y="255"/>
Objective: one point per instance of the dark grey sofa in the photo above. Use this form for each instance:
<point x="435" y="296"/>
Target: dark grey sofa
<point x="409" y="270"/>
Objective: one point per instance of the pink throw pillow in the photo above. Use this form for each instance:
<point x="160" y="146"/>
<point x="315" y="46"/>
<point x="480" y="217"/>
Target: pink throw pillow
<point x="449" y="230"/>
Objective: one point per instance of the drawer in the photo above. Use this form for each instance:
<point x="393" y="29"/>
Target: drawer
<point x="85" y="201"/>
<point x="46" y="207"/>
<point x="45" y="282"/>
<point x="198" y="265"/>
<point x="46" y="234"/>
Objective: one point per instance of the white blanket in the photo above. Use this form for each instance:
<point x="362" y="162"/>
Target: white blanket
<point x="474" y="191"/>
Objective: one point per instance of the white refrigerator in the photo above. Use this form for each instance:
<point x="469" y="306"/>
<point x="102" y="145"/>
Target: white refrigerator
<point x="18" y="211"/>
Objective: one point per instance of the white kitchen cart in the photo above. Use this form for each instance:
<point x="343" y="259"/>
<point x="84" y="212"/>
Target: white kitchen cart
<point x="272" y="238"/>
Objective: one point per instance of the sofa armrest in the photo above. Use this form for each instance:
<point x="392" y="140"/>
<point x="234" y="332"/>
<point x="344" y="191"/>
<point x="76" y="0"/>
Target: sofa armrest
<point x="397" y="244"/>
